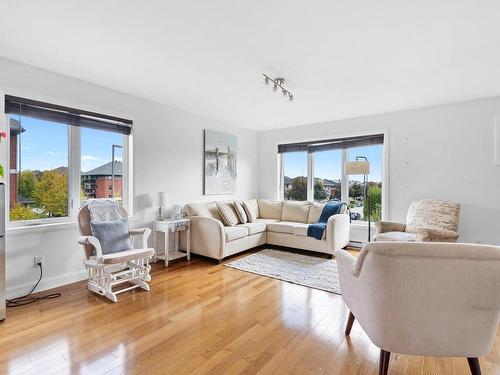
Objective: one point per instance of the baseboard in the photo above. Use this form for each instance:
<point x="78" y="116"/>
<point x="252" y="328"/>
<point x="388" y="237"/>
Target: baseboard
<point x="46" y="283"/>
<point x="356" y="244"/>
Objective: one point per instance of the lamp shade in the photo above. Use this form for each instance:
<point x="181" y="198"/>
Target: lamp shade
<point x="161" y="199"/>
<point x="357" y="167"/>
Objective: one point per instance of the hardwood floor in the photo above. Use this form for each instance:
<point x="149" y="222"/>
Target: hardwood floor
<point x="201" y="318"/>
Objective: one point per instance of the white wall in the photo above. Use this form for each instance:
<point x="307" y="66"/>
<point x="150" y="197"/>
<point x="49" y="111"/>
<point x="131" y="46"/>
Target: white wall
<point x="443" y="152"/>
<point x="168" y="156"/>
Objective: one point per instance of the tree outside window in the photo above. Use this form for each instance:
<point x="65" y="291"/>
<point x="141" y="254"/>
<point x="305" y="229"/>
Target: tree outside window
<point x="326" y="167"/>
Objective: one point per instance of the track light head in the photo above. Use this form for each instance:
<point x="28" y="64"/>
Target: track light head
<point x="278" y="83"/>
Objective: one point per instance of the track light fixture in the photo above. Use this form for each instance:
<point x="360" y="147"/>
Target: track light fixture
<point x="278" y="82"/>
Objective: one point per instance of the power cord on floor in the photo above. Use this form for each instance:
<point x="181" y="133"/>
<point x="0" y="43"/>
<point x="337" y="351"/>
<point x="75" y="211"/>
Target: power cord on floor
<point x="26" y="299"/>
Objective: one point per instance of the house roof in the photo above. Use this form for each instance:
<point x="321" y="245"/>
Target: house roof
<point x="105" y="170"/>
<point x="328" y="182"/>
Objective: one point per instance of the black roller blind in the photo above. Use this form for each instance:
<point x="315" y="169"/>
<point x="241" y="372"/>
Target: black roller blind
<point x="71" y="116"/>
<point x="332" y="144"/>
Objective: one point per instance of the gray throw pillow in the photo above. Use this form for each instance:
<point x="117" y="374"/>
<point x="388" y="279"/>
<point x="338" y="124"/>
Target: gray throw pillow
<point x="113" y="235"/>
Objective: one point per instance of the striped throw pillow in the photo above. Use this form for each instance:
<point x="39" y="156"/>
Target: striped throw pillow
<point x="240" y="211"/>
<point x="251" y="217"/>
<point x="228" y="214"/>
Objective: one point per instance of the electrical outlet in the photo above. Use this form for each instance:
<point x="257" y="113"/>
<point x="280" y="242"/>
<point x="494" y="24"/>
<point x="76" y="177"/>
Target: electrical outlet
<point x="38" y="260"/>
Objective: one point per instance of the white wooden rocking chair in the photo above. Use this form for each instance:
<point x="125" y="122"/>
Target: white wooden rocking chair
<point x="107" y="271"/>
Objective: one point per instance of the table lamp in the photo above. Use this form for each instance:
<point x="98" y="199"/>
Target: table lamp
<point x="162" y="201"/>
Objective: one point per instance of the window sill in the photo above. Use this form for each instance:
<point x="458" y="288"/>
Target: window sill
<point x="48" y="227"/>
<point x="40" y="228"/>
<point x="362" y="224"/>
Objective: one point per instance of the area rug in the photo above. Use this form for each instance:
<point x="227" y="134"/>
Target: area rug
<point x="314" y="272"/>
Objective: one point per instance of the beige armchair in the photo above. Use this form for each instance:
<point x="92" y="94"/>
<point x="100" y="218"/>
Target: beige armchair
<point x="427" y="220"/>
<point x="427" y="299"/>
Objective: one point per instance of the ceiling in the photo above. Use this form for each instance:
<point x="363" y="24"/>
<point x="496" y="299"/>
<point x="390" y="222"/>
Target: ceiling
<point x="340" y="59"/>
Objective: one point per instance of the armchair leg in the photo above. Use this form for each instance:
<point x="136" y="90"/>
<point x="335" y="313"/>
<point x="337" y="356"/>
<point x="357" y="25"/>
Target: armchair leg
<point x="475" y="369"/>
<point x="350" y="322"/>
<point x="383" y="367"/>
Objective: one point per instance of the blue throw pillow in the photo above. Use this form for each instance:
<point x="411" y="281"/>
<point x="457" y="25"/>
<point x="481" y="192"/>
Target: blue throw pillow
<point x="113" y="235"/>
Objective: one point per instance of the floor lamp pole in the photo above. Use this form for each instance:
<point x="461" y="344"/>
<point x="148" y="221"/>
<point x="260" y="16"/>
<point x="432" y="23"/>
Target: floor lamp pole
<point x="367" y="202"/>
<point x="367" y="198"/>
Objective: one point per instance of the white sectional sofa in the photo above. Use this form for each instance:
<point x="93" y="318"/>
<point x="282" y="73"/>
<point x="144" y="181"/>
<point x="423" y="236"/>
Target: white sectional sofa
<point x="282" y="223"/>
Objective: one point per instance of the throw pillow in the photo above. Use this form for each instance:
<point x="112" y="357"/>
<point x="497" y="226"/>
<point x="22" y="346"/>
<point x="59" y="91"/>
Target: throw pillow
<point x="240" y="211"/>
<point x="250" y="212"/>
<point x="228" y="214"/>
<point x="113" y="235"/>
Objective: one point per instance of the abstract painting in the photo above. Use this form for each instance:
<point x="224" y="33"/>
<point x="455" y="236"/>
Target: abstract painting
<point x="220" y="163"/>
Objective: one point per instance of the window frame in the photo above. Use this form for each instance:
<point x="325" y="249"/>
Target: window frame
<point x="344" y="177"/>
<point x="74" y="165"/>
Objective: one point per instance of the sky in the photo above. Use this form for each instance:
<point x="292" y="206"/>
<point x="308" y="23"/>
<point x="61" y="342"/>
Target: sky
<point x="44" y="145"/>
<point x="328" y="164"/>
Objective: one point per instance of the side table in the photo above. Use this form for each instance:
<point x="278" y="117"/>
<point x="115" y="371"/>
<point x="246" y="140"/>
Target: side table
<point x="169" y="227"/>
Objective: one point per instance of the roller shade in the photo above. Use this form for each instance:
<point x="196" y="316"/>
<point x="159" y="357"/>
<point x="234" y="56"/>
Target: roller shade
<point x="66" y="115"/>
<point x="332" y="144"/>
<point x="292" y="147"/>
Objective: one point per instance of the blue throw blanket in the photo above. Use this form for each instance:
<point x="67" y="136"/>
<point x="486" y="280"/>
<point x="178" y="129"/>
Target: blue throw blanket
<point x="330" y="209"/>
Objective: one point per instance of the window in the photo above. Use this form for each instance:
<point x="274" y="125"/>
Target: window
<point x="327" y="169"/>
<point x="38" y="169"/>
<point x="359" y="211"/>
<point x="325" y="178"/>
<point x="60" y="156"/>
<point x="294" y="176"/>
<point x="102" y="164"/>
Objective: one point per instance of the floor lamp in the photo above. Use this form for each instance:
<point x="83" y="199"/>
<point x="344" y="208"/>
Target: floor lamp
<point x="361" y="166"/>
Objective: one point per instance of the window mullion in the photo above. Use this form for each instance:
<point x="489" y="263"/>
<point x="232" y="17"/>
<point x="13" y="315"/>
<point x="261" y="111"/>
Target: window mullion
<point x="310" y="176"/>
<point x="281" y="174"/>
<point x="344" y="191"/>
<point x="127" y="177"/>
<point x="74" y="171"/>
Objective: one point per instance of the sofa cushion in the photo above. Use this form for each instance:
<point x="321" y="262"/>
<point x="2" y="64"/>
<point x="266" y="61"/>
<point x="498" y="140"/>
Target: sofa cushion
<point x="395" y="236"/>
<point x="125" y="256"/>
<point x="266" y="221"/>
<point x="315" y="212"/>
<point x="240" y="211"/>
<point x="295" y="211"/>
<point x="269" y="209"/>
<point x="301" y="230"/>
<point x="203" y="209"/>
<point x="251" y="209"/>
<point x="282" y="226"/>
<point x="254" y="228"/>
<point x="233" y="233"/>
<point x="228" y="213"/>
<point x="197" y="209"/>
